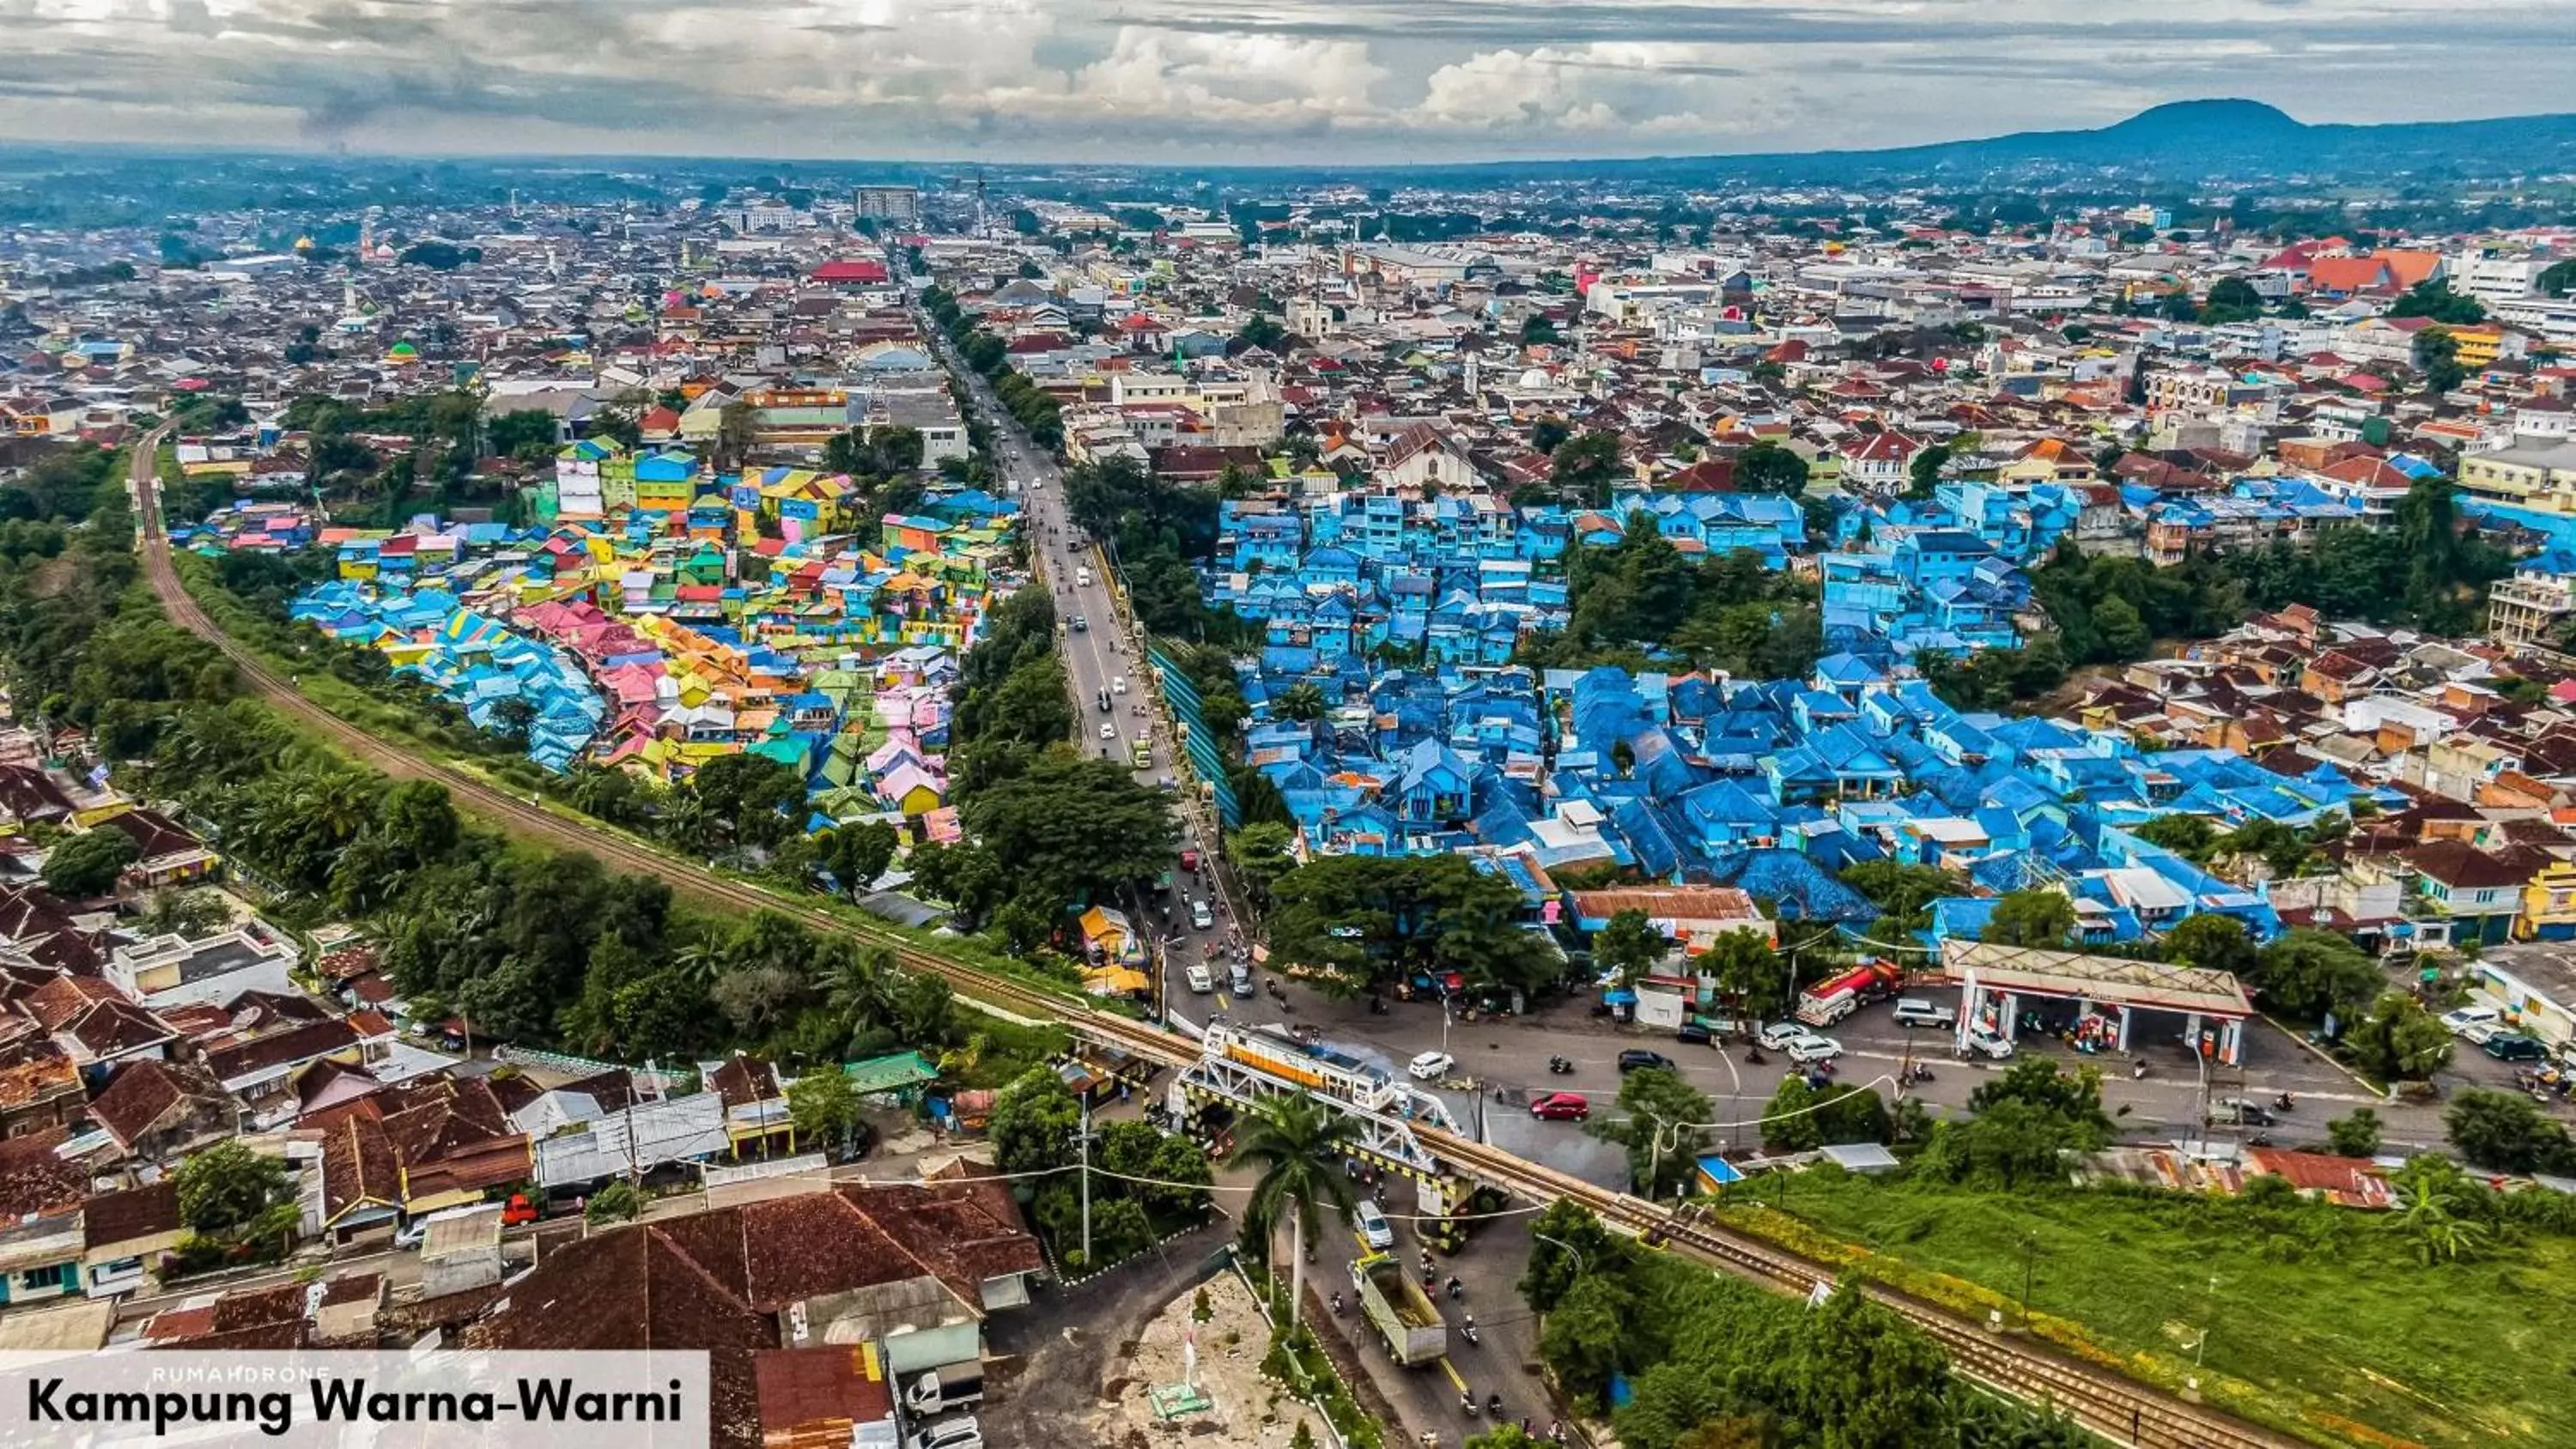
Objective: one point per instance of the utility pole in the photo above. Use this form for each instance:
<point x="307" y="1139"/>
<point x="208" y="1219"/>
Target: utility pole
<point x="1084" y="1143"/>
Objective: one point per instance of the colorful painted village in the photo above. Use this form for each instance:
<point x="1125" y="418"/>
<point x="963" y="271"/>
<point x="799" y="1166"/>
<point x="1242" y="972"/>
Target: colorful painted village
<point x="661" y="615"/>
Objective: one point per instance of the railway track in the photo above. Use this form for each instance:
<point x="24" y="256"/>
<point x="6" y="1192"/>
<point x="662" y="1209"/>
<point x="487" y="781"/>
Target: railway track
<point x="2121" y="1410"/>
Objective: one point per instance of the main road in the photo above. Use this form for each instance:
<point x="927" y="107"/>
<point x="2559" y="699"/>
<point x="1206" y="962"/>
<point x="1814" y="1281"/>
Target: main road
<point x="1104" y="660"/>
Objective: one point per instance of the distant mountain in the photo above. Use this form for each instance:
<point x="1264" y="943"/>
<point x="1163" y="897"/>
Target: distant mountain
<point x="2184" y="141"/>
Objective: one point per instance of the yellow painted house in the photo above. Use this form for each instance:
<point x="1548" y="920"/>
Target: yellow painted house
<point x="2548" y="904"/>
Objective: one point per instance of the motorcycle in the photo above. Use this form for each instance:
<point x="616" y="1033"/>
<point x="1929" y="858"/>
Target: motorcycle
<point x="1457" y="1290"/>
<point x="1559" y="1067"/>
<point x="2285" y="1101"/>
<point x="1494" y="1406"/>
<point x="1466" y="1330"/>
<point x="1337" y="1305"/>
<point x="1377" y="1006"/>
<point x="1753" y="1056"/>
<point x="1467" y="1402"/>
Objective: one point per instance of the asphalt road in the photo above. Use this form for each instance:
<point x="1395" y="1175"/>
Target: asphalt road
<point x="1102" y="655"/>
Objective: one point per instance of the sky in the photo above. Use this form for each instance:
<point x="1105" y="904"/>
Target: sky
<point x="1232" y="81"/>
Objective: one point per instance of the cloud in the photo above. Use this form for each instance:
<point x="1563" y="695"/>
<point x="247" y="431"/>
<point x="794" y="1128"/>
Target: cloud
<point x="1224" y="80"/>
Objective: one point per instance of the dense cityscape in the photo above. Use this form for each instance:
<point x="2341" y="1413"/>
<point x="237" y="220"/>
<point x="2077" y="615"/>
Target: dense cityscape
<point x="1922" y="799"/>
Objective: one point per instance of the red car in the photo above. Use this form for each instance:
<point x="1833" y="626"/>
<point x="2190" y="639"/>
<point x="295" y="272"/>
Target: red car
<point x="1190" y="860"/>
<point x="1561" y="1107"/>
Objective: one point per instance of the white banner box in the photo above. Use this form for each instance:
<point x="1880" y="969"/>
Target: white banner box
<point x="442" y="1399"/>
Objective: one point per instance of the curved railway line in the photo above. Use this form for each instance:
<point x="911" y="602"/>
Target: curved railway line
<point x="2120" y="1409"/>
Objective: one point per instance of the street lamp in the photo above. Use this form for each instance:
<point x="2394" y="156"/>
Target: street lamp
<point x="1581" y="1264"/>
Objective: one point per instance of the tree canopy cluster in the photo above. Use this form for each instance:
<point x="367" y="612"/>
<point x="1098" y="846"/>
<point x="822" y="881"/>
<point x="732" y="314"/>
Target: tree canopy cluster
<point x="1159" y="529"/>
<point x="1715" y="1361"/>
<point x="1362" y="922"/>
<point x="1033" y="408"/>
<point x="2423" y="573"/>
<point x="1035" y="1129"/>
<point x="1640" y="599"/>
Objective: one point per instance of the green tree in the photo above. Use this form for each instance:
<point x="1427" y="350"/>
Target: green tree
<point x="821" y="1106"/>
<point x="2231" y="299"/>
<point x="1659" y="1120"/>
<point x="1261" y="855"/>
<point x="227" y="1187"/>
<point x="857" y="853"/>
<point x="2558" y="279"/>
<point x="1923" y="474"/>
<point x="618" y="1202"/>
<point x="1581" y="1339"/>
<point x="420" y="822"/>
<point x="1864" y="1377"/>
<point x="2399" y="1041"/>
<point x="1628" y="945"/>
<point x="88" y="864"/>
<point x="1034" y="1121"/>
<point x="2210" y="941"/>
<point x="2434" y="298"/>
<point x="2504" y="1132"/>
<point x="1075" y="828"/>
<point x="737" y="428"/>
<point x="1303" y="701"/>
<point x="1567" y="1241"/>
<point x="1584" y="468"/>
<point x="1748" y="973"/>
<point x="1789" y="1119"/>
<point x="2192" y="837"/>
<point x="1769" y="468"/>
<point x="2041" y="918"/>
<point x="2437" y="355"/>
<point x="2355" y="1134"/>
<point x="2434" y="1200"/>
<point x="1295" y="1146"/>
<point x="2307" y="974"/>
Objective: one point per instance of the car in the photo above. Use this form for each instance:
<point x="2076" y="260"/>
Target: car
<point x="1108" y="731"/>
<point x="1190" y="859"/>
<point x="2476" y="1023"/>
<point x="1691" y="1033"/>
<point x="1807" y="1048"/>
<point x="1561" y="1107"/>
<point x="1118" y="685"/>
<point x="1200" y="981"/>
<point x="2237" y="1112"/>
<point x="958" y="1433"/>
<point x="1199" y="917"/>
<point x="1081" y="625"/>
<point x="1431" y="1066"/>
<point x="1104" y="701"/>
<point x="1638" y="1059"/>
<point x="2513" y="1046"/>
<point x="1985" y="1042"/>
<point x="1373" y="1227"/>
<point x="1163" y="781"/>
<point x="1915" y="1011"/>
<point x="1776" y="1036"/>
<point x="1239" y="979"/>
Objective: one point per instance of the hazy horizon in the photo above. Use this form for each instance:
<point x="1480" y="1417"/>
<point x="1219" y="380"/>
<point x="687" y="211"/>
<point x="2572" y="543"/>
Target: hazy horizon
<point x="1234" y="82"/>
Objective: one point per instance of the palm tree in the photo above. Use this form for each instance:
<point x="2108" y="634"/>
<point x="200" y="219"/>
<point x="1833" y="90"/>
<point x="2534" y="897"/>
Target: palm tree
<point x="856" y="986"/>
<point x="2429" y="1199"/>
<point x="340" y="803"/>
<point x="1302" y="701"/>
<point x="1298" y="1143"/>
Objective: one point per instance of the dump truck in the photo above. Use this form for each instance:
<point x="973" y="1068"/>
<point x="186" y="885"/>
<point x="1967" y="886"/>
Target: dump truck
<point x="1415" y="1331"/>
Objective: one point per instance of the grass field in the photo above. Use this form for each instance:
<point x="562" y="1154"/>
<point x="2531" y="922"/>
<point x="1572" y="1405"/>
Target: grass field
<point x="2343" y="1337"/>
